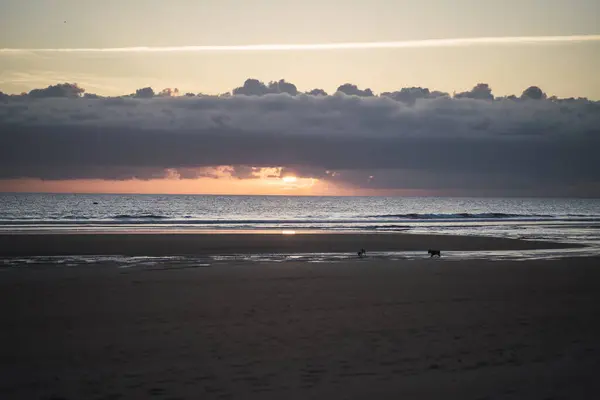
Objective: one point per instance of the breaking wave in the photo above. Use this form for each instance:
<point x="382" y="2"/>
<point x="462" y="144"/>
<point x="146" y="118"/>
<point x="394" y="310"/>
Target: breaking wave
<point x="493" y="215"/>
<point x="141" y="216"/>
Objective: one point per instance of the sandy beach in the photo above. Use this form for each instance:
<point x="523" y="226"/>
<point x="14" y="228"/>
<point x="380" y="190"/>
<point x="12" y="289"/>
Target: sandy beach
<point x="227" y="243"/>
<point x="419" y="329"/>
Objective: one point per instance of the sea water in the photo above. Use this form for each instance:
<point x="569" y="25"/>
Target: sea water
<point x="553" y="219"/>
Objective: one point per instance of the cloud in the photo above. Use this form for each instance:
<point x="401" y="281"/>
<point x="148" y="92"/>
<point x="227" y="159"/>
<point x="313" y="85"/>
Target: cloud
<point x="533" y="93"/>
<point x="144" y="93"/>
<point x="412" y="138"/>
<point x="426" y="43"/>
<point x="481" y="91"/>
<point x="412" y="94"/>
<point x="353" y="90"/>
<point x="254" y="87"/>
<point x="69" y="90"/>
<point x="283" y="87"/>
<point x="317" y="92"/>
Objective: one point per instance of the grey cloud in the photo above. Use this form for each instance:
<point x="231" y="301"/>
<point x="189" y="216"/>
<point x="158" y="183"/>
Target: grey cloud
<point x="254" y="87"/>
<point x="168" y="92"/>
<point x="439" y="143"/>
<point x="144" y="93"/>
<point x="69" y="90"/>
<point x="317" y="92"/>
<point x="245" y="172"/>
<point x="411" y="95"/>
<point x="283" y="87"/>
<point x="353" y="90"/>
<point x="534" y="93"/>
<point x="202" y="172"/>
<point x="481" y="91"/>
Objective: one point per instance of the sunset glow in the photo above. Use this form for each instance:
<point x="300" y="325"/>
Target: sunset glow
<point x="94" y="97"/>
<point x="303" y="187"/>
<point x="294" y="199"/>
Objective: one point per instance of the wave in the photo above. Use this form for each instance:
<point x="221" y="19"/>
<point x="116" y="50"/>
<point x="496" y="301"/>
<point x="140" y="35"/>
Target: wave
<point x="140" y="216"/>
<point x="167" y="221"/>
<point x="493" y="215"/>
<point x="374" y="222"/>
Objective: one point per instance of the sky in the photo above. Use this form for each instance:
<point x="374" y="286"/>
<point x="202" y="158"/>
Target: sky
<point x="348" y="143"/>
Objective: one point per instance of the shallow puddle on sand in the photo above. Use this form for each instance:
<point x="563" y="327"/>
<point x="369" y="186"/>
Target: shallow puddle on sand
<point x="179" y="262"/>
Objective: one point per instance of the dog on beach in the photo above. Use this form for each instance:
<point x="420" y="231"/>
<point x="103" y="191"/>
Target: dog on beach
<point x="434" y="253"/>
<point x="362" y="253"/>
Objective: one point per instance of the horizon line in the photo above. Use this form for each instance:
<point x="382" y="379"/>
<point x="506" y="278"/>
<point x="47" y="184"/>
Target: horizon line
<point x="421" y="43"/>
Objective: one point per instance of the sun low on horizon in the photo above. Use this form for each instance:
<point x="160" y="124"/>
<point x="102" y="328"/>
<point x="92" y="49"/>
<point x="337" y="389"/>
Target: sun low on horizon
<point x="282" y="97"/>
<point x="288" y="185"/>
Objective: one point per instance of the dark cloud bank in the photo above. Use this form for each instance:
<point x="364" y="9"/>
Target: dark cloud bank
<point x="465" y="143"/>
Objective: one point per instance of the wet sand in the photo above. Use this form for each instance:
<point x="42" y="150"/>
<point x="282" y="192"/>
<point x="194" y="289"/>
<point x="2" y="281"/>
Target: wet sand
<point x="202" y="244"/>
<point x="421" y="329"/>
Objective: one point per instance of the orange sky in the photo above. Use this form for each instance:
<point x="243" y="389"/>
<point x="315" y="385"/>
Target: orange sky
<point x="218" y="180"/>
<point x="276" y="186"/>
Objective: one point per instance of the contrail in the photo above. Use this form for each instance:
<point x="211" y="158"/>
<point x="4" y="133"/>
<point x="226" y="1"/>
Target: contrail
<point x="406" y="44"/>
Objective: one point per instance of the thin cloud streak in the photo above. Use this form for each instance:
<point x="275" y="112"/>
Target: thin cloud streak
<point x="426" y="43"/>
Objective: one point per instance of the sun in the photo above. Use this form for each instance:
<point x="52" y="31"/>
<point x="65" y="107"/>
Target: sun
<point x="290" y="183"/>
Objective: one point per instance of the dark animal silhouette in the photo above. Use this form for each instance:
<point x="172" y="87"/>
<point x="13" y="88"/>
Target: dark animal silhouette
<point x="362" y="253"/>
<point x="434" y="253"/>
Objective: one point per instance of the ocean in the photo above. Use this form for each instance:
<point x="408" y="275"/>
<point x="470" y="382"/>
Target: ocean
<point x="550" y="219"/>
<point x="570" y="220"/>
